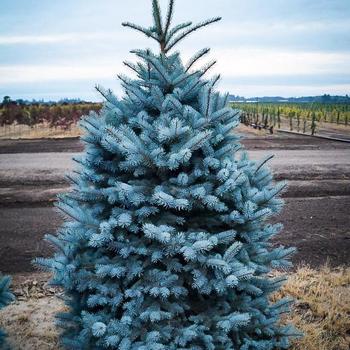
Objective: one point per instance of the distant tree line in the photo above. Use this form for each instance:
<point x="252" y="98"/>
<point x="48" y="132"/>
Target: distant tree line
<point x="324" y="99"/>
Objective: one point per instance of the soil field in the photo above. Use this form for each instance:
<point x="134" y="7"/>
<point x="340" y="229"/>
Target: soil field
<point x="251" y="141"/>
<point x="316" y="215"/>
<point x="319" y="238"/>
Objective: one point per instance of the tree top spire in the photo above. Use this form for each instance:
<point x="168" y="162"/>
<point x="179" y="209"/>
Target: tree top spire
<point x="160" y="30"/>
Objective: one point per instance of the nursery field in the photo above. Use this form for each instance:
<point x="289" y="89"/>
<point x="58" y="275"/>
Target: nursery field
<point x="36" y="120"/>
<point x="335" y="113"/>
<point x="59" y="120"/>
<point x="328" y="119"/>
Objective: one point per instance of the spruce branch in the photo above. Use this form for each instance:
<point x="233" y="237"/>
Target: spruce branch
<point x="227" y="95"/>
<point x="184" y="77"/>
<point x="148" y="66"/>
<point x="207" y="67"/>
<point x="164" y="35"/>
<point x="157" y="18"/>
<point x="195" y="58"/>
<point x="168" y="17"/>
<point x="189" y="31"/>
<point x="107" y="95"/>
<point x="124" y="79"/>
<point x="145" y="31"/>
<point x="211" y="85"/>
<point x="260" y="164"/>
<point x="155" y="63"/>
<point x="176" y="29"/>
<point x="132" y="67"/>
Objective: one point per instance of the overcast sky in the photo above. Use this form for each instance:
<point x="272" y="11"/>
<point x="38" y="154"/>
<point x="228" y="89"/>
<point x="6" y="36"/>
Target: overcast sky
<point x="56" y="49"/>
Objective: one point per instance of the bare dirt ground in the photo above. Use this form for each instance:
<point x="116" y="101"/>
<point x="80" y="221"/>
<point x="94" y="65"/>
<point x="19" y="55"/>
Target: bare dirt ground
<point x="316" y="215"/>
<point x="320" y="234"/>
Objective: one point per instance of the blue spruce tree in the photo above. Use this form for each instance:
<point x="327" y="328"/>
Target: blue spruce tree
<point x="5" y="298"/>
<point x="167" y="245"/>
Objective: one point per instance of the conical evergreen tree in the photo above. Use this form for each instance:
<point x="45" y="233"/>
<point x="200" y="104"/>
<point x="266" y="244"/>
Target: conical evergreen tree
<point x="167" y="243"/>
<point x="5" y="298"/>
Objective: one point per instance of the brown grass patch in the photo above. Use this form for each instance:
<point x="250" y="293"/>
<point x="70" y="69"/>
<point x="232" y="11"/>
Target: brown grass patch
<point x="30" y="324"/>
<point x="322" y="307"/>
<point x="37" y="132"/>
<point x="16" y="132"/>
<point x="321" y="311"/>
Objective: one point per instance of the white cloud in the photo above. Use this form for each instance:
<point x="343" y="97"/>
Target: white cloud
<point x="241" y="62"/>
<point x="36" y="39"/>
<point x="42" y="73"/>
<point x="278" y="28"/>
<point x="57" y="38"/>
<point x="246" y="62"/>
<point x="232" y="64"/>
<point x="230" y="31"/>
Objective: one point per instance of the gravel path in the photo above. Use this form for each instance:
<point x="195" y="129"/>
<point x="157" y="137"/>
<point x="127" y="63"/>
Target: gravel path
<point x="51" y="167"/>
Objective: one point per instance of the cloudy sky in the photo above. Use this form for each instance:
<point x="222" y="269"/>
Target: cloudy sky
<point x="56" y="49"/>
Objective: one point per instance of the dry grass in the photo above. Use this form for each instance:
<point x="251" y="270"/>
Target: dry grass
<point x="44" y="131"/>
<point x="30" y="324"/>
<point x="16" y="132"/>
<point x="321" y="311"/>
<point x="38" y="131"/>
<point x="322" y="307"/>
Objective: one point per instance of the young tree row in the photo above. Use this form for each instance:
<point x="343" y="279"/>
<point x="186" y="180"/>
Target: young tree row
<point x="57" y="115"/>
